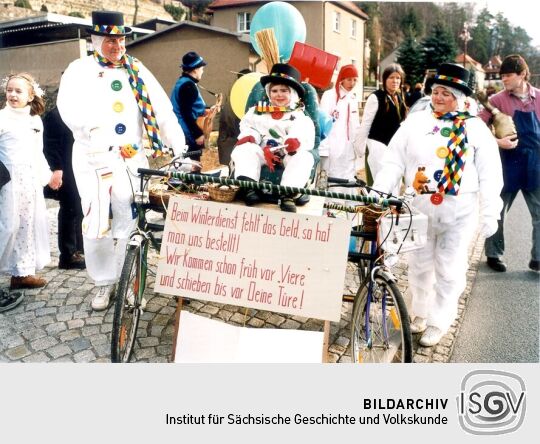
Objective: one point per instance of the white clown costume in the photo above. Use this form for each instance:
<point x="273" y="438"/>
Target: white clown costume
<point x="99" y="106"/>
<point x="24" y="233"/>
<point x="437" y="272"/>
<point x="249" y="158"/>
<point x="266" y="124"/>
<point x="340" y="150"/>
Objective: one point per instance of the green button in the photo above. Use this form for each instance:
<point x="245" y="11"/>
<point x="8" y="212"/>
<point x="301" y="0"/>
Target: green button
<point x="446" y="132"/>
<point x="116" y="85"/>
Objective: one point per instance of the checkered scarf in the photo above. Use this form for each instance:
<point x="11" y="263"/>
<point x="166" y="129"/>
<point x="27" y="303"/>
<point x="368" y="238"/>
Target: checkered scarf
<point x="141" y="95"/>
<point x="454" y="164"/>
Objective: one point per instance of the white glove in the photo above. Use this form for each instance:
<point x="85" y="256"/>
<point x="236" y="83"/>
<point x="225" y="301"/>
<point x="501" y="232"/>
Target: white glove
<point x="488" y="227"/>
<point x="179" y="150"/>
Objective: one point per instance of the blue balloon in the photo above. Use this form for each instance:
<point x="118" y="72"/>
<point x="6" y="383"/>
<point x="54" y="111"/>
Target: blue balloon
<point x="289" y="27"/>
<point x="325" y="123"/>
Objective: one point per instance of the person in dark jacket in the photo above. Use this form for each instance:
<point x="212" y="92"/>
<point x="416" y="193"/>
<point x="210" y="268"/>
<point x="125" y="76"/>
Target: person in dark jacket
<point x="384" y="111"/>
<point x="415" y="95"/>
<point x="58" y="147"/>
<point x="229" y="128"/>
<point x="188" y="103"/>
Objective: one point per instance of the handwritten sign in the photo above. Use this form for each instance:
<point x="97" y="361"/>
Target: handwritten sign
<point x="251" y="257"/>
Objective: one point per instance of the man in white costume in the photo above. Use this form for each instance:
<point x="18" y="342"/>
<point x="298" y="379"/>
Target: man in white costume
<point x="109" y="100"/>
<point x="461" y="162"/>
<point x="282" y="122"/>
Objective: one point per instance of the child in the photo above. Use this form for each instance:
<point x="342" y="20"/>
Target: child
<point x="339" y="152"/>
<point x="283" y="123"/>
<point x="24" y="239"/>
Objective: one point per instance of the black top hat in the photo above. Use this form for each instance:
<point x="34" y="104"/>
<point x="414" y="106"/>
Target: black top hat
<point x="109" y="23"/>
<point x="283" y="74"/>
<point x="191" y="61"/>
<point x="455" y="76"/>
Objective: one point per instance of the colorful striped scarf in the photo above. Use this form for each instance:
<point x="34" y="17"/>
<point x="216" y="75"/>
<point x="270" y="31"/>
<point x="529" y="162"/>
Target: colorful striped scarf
<point x="454" y="164"/>
<point x="141" y="95"/>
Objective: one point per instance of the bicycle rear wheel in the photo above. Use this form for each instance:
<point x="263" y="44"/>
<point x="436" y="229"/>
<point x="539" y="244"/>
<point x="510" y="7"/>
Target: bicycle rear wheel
<point x="126" y="310"/>
<point x="380" y="328"/>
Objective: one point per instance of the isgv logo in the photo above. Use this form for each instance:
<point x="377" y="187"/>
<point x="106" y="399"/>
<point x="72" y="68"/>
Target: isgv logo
<point x="491" y="402"/>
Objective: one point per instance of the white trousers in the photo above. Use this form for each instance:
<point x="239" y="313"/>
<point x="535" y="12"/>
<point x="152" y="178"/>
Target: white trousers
<point x="106" y="186"/>
<point x="438" y="272"/>
<point x="248" y="160"/>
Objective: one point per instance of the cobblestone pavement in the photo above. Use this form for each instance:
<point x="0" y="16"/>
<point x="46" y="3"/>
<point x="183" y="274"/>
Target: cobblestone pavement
<point x="55" y="323"/>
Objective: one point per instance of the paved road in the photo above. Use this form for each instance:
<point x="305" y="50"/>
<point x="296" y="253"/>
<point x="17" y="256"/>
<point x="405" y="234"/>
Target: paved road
<point x="501" y="323"/>
<point x="55" y="323"/>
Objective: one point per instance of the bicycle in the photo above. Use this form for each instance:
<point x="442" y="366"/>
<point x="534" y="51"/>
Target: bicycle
<point x="132" y="283"/>
<point x="380" y="326"/>
<point x="128" y="305"/>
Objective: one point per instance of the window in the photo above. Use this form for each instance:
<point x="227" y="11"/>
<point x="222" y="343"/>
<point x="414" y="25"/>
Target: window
<point x="243" y="21"/>
<point x="353" y="29"/>
<point x="337" y="22"/>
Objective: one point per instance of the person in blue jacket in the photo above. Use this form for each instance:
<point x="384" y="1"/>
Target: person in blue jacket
<point x="188" y="103"/>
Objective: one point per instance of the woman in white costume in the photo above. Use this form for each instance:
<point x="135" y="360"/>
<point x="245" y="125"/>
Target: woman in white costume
<point x="281" y="122"/>
<point x="459" y="157"/>
<point x="24" y="237"/>
<point x="108" y="100"/>
<point x="339" y="151"/>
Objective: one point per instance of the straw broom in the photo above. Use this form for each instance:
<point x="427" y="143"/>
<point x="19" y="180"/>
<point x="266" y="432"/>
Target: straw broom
<point x="266" y="39"/>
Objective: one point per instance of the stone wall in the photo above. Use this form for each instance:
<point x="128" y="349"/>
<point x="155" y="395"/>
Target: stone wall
<point x="148" y="9"/>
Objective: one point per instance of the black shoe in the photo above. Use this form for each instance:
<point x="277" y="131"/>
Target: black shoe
<point x="496" y="264"/>
<point x="251" y="198"/>
<point x="302" y="200"/>
<point x="10" y="299"/>
<point x="287" y="204"/>
<point x="534" y="265"/>
<point x="75" y="262"/>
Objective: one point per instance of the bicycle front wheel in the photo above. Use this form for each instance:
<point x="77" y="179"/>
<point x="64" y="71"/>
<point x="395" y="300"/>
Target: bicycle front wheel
<point x="126" y="310"/>
<point x="380" y="328"/>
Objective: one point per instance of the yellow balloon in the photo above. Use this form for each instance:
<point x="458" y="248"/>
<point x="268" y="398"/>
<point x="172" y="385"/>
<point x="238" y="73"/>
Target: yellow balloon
<point x="240" y="92"/>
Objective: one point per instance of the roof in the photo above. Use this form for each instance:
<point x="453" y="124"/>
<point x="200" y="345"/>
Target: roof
<point x="352" y="8"/>
<point x="186" y="23"/>
<point x="493" y="64"/>
<point x="48" y="20"/>
<point x="151" y="23"/>
<point x="470" y="61"/>
<point x="219" y="4"/>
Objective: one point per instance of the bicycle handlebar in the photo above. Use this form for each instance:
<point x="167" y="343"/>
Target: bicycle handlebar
<point x="347" y="182"/>
<point x="201" y="178"/>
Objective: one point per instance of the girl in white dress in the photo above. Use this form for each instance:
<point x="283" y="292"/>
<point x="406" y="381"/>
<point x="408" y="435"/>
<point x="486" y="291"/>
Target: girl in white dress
<point x="24" y="239"/>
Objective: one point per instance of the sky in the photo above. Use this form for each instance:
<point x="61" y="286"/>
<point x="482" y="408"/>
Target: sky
<point x="518" y="12"/>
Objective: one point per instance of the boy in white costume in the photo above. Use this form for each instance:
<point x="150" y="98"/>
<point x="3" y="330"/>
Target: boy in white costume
<point x="108" y="100"/>
<point x="282" y="122"/>
<point x="461" y="161"/>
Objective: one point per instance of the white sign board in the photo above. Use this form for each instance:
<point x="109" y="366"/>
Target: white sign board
<point x="202" y="340"/>
<point x="251" y="257"/>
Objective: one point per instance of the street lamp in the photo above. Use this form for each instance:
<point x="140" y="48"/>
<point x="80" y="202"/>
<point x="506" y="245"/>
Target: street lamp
<point x="465" y="35"/>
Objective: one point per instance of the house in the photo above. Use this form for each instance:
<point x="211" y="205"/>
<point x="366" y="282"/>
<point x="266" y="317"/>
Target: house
<point x="226" y="53"/>
<point x="45" y="44"/>
<point x="474" y="67"/>
<point x="491" y="69"/>
<point x="337" y="27"/>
